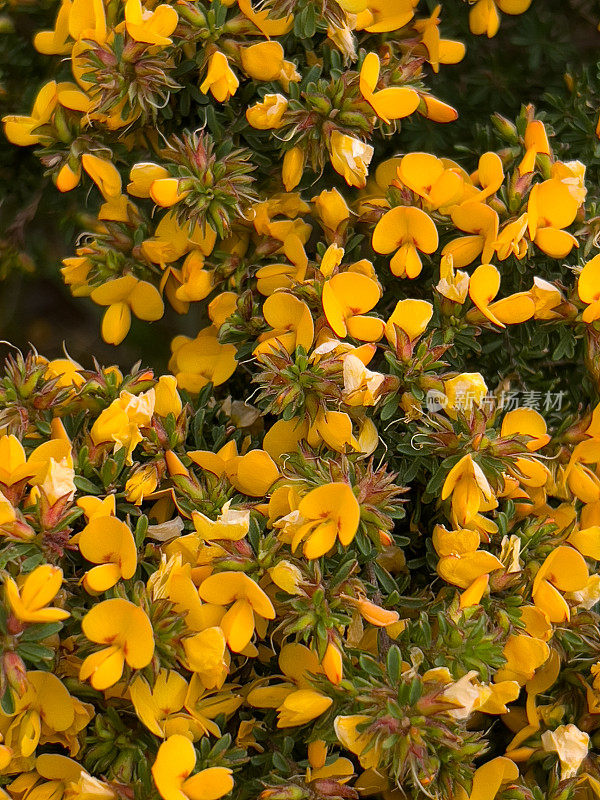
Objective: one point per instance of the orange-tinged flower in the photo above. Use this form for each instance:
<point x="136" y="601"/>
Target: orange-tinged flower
<point x="393" y="102"/>
<point x="291" y="321"/>
<point x="128" y="634"/>
<point x="175" y="762"/>
<point x="328" y="513"/>
<point x="346" y="298"/>
<point x="406" y="230"/>
<point x="29" y="602"/>
<point x="108" y="542"/>
<point x="220" y="79"/>
<point x="247" y="599"/>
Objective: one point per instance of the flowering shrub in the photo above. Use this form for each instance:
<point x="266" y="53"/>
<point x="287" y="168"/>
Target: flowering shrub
<point x="348" y="544"/>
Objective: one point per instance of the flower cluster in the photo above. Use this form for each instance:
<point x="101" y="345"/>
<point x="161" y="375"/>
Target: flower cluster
<point x="328" y="554"/>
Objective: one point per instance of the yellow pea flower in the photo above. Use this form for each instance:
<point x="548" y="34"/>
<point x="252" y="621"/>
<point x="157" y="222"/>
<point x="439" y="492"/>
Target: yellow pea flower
<point x="536" y="138"/>
<point x="547" y="297"/>
<point x="461" y="563"/>
<point x="406" y="230"/>
<point x="328" y="513"/>
<point x="426" y="175"/>
<point x="350" y="158"/>
<point x="231" y="524"/>
<point x="296" y="701"/>
<point x="468" y="486"/>
<point x="484" y="18"/>
<point x="44" y="712"/>
<point x="220" y="79"/>
<point x="570" y="744"/>
<point x="489" y="777"/>
<point x="122" y="296"/>
<point x="292" y="325"/>
<point x="293" y="167"/>
<point x="55" y="42"/>
<point x="463" y="390"/>
<point x="526" y="421"/>
<point x="266" y="24"/>
<point x="410" y="316"/>
<point x="268" y="113"/>
<point x="150" y="27"/>
<point x="207" y="656"/>
<point x="524" y="654"/>
<point x="108" y="542"/>
<point x="160" y="708"/>
<point x="28" y="603"/>
<point x="13" y="462"/>
<point x="564" y="570"/>
<point x="87" y="20"/>
<point x="346" y="299"/>
<point x="253" y="473"/>
<point x="142" y="175"/>
<point x="205" y="705"/>
<point x="104" y="174"/>
<point x="382" y="16"/>
<point x="393" y="102"/>
<point x="551" y="206"/>
<point x="20" y="130"/>
<point x="166" y="397"/>
<point x="196" y="362"/>
<point x="331" y="209"/>
<point x="175" y="762"/>
<point x="361" y="744"/>
<point x="439" y="51"/>
<point x="120" y="422"/>
<point x="434" y="109"/>
<point x="95" y="507"/>
<point x="284" y="276"/>
<point x="484" y="285"/>
<point x="481" y="222"/>
<point x="127" y="631"/>
<point x="263" y="61"/>
<point x="361" y="385"/>
<point x="248" y="601"/>
<point x="453" y="284"/>
<point x="588" y="289"/>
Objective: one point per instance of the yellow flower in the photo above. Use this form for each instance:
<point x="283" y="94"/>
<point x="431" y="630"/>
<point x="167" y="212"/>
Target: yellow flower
<point x="469" y="487"/>
<point x="14" y="467"/>
<point x="439" y="51"/>
<point x="20" y="130"/>
<point x="166" y="397"/>
<point x="196" y="362"/>
<point x="359" y="743"/>
<point x="39" y="588"/>
<point x="293" y="167"/>
<point x="292" y="325"/>
<point x="346" y="298"/>
<point x="207" y="656"/>
<point x="484" y="285"/>
<point x="588" y="289"/>
<point x="127" y="631"/>
<point x="564" y="570"/>
<point x="361" y="386"/>
<point x="220" y="78"/>
<point x="426" y="175"/>
<point x="231" y="524"/>
<point x="120" y="422"/>
<point x="296" y="701"/>
<point x="406" y="230"/>
<point x="350" y="158"/>
<point x="410" y="316"/>
<point x="327" y="513"/>
<point x="248" y="600"/>
<point x="108" y="542"/>
<point x="268" y="113"/>
<point x="536" y="138"/>
<point x="461" y="563"/>
<point x="175" y="762"/>
<point x="481" y="222"/>
<point x="524" y="654"/>
<point x="552" y="206"/>
<point x="393" y="102"/>
<point x="570" y="744"/>
<point x="151" y="27"/>
<point x="55" y="42"/>
<point x="122" y="296"/>
<point x="159" y="708"/>
<point x="331" y="208"/>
